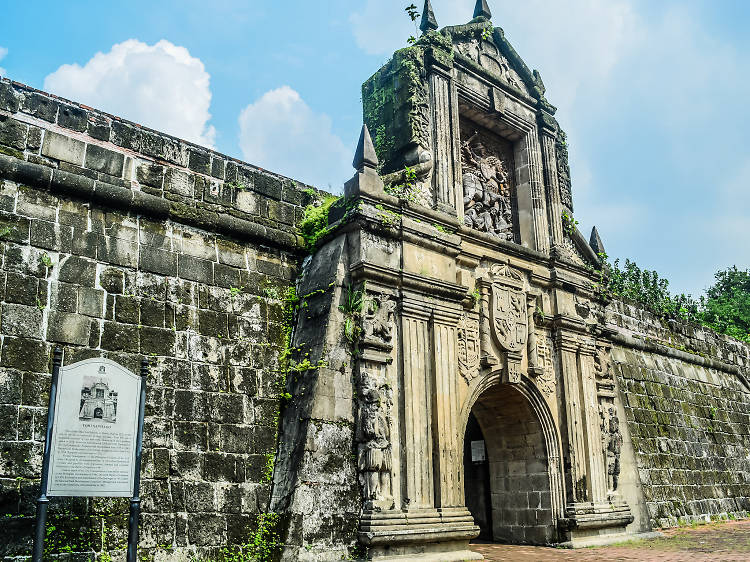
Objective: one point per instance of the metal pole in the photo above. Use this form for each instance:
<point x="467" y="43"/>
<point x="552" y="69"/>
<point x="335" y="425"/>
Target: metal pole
<point x="43" y="501"/>
<point x="135" y="501"/>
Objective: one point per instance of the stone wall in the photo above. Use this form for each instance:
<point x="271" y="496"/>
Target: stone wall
<point x="121" y="242"/>
<point x="687" y="405"/>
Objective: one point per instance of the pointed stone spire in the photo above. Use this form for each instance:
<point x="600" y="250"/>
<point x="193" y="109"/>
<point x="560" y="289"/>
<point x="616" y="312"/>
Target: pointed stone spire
<point x="429" y="23"/>
<point x="482" y="9"/>
<point x="365" y="155"/>
<point x="366" y="180"/>
<point x="596" y="242"/>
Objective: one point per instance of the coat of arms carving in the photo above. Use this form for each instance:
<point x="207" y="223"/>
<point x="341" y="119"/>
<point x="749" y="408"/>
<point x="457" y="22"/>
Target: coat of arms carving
<point x="508" y="315"/>
<point x="504" y="319"/>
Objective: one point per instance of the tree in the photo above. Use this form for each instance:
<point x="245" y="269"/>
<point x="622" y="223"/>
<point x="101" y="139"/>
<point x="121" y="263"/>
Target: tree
<point x="726" y="307"/>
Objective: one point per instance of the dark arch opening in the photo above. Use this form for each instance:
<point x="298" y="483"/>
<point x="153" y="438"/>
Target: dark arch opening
<point x="98" y="413"/>
<point x="517" y="469"/>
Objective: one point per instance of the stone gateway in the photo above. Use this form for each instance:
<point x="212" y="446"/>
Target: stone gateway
<point x="441" y="366"/>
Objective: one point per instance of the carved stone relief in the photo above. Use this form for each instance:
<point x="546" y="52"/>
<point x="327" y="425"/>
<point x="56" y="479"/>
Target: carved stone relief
<point x="609" y="421"/>
<point x="378" y="319"/>
<point x="611" y="443"/>
<point x="504" y="319"/>
<point x="488" y="56"/>
<point x="563" y="170"/>
<point x="374" y="447"/>
<point x="487" y="165"/>
<point x="546" y="380"/>
<point x="468" y="347"/>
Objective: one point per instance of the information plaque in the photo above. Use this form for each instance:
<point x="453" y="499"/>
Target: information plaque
<point x="94" y="439"/>
<point x="477" y="451"/>
<point x="95" y="429"/>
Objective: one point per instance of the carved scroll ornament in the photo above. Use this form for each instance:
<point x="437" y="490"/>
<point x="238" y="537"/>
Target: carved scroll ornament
<point x="468" y="348"/>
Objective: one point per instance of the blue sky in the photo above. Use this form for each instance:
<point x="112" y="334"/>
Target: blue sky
<point x="653" y="95"/>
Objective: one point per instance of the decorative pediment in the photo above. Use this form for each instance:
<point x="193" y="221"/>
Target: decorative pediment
<point x="486" y="54"/>
<point x="479" y="44"/>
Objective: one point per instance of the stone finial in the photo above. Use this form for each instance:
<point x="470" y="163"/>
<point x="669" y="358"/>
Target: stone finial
<point x="365" y="155"/>
<point x="482" y="10"/>
<point x="429" y="23"/>
<point x="596" y="242"/>
<point x="366" y="180"/>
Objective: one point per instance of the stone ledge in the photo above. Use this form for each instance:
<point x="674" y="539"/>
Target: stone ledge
<point x="66" y="183"/>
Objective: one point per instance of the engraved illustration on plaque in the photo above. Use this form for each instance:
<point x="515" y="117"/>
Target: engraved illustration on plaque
<point x="98" y="399"/>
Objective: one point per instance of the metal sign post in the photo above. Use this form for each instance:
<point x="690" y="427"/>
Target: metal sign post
<point x="135" y="501"/>
<point x="43" y="501"/>
<point x="94" y="439"/>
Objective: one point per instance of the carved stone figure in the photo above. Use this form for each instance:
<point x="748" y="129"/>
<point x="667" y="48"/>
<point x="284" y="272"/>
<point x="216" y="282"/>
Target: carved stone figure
<point x="378" y="323"/>
<point x="374" y="460"/>
<point x="487" y="189"/>
<point x="612" y="442"/>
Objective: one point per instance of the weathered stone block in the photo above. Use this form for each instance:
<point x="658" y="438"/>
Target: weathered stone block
<point x="112" y="280"/>
<point x="199" y="161"/>
<point x="206" y="530"/>
<point x="190" y="436"/>
<point x="72" y="117"/>
<point x="157" y="341"/>
<point x="162" y="262"/>
<point x="99" y="126"/>
<point x="91" y="302"/>
<point x="120" y="337"/>
<point x="13" y="133"/>
<point x="75" y="269"/>
<point x="195" y="269"/>
<point x="36" y="204"/>
<point x="126" y="135"/>
<point x="25" y="354"/>
<point x="10" y="386"/>
<point x="63" y="148"/>
<point x="127" y="309"/>
<point x="14" y="228"/>
<point x="181" y="183"/>
<point x="9" y="100"/>
<point x="20" y="320"/>
<point x="221" y="467"/>
<point x="51" y="236"/>
<point x="68" y="328"/>
<point x="150" y="174"/>
<point x="21" y="289"/>
<point x="40" y="106"/>
<point x="117" y="251"/>
<point x="105" y="161"/>
<point x="228" y="408"/>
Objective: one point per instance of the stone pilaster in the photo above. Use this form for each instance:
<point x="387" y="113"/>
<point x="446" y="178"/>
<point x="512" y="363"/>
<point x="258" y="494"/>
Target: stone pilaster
<point x="443" y="132"/>
<point x="554" y="207"/>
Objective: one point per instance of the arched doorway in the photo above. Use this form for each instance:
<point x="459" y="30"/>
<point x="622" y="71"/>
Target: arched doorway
<point x="517" y="469"/>
<point x="98" y="413"/>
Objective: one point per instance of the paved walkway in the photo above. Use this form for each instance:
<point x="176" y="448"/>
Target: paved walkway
<point x="728" y="542"/>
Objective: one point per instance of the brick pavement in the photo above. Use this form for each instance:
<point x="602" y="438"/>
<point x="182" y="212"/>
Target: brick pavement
<point x="726" y="542"/>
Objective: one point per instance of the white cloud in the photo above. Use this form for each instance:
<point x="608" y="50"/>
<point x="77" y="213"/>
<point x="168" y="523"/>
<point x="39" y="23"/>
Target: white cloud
<point x="281" y="132"/>
<point x="160" y="86"/>
<point x="3" y="53"/>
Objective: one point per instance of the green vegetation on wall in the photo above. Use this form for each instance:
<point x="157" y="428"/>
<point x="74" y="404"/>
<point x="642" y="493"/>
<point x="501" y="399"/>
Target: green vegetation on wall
<point x="725" y="308"/>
